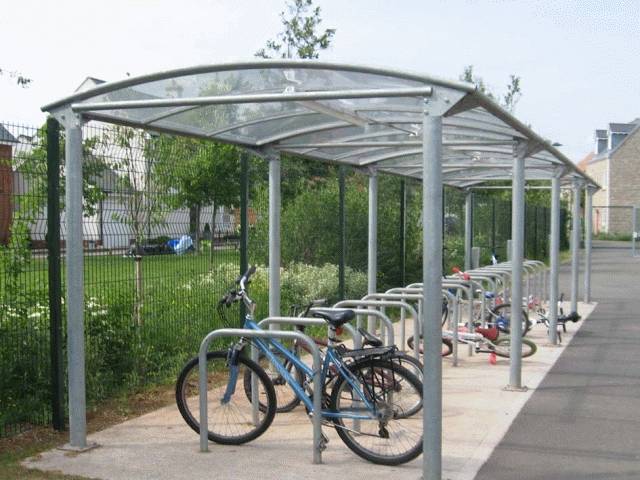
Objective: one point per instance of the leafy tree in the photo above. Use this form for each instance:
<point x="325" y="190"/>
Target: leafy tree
<point x="509" y="100"/>
<point x="197" y="173"/>
<point x="16" y="257"/>
<point x="301" y="37"/>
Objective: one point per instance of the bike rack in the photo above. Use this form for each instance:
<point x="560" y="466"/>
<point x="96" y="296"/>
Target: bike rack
<point x="357" y="339"/>
<point x="493" y="286"/>
<point x="417" y="297"/>
<point x="316" y="418"/>
<point x="463" y="285"/>
<point x="387" y="303"/>
<point x="452" y="299"/>
<point x="460" y="286"/>
<point x="384" y="319"/>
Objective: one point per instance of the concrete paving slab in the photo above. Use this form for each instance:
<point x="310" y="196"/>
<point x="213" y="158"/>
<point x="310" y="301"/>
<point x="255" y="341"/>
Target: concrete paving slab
<point x="159" y="445"/>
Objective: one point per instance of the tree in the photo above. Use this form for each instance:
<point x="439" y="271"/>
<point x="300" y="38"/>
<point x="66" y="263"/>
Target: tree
<point x="509" y="100"/>
<point x="197" y="173"/>
<point x="300" y="37"/>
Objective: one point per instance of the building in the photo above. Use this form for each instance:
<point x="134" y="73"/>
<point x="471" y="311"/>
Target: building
<point x="615" y="165"/>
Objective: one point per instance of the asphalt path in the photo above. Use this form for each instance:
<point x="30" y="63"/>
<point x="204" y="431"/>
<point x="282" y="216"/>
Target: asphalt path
<point x="583" y="421"/>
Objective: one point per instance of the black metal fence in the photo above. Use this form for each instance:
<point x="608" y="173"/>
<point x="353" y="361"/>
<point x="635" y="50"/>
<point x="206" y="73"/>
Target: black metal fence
<point x="162" y="242"/>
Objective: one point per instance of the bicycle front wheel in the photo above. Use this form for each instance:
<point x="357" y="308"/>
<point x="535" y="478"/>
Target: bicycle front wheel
<point x="503" y="347"/>
<point x="500" y="316"/>
<point x="392" y="435"/>
<point x="231" y="417"/>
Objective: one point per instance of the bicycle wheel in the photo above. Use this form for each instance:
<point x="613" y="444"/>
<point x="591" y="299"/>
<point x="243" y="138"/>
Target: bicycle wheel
<point x="500" y="316"/>
<point x="391" y="436"/>
<point x="503" y="347"/>
<point x="286" y="398"/>
<point x="447" y="346"/>
<point x="230" y="422"/>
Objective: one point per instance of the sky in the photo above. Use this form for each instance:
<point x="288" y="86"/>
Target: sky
<point x="579" y="61"/>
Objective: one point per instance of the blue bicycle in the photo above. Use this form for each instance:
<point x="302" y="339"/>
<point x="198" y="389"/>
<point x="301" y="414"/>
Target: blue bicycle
<point x="373" y="402"/>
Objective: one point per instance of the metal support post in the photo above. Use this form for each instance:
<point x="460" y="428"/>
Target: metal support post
<point x="554" y="260"/>
<point x="342" y="214"/>
<point x="274" y="236"/>
<point x="468" y="229"/>
<point x="517" y="258"/>
<point x="55" y="277"/>
<point x="244" y="221"/>
<point x="432" y="291"/>
<point x="403" y="231"/>
<point x="575" y="245"/>
<point x="75" y="283"/>
<point x="588" y="231"/>
<point x="372" y="266"/>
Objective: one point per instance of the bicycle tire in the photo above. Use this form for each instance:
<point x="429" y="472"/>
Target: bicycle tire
<point x="447" y="346"/>
<point x="504" y="326"/>
<point x="368" y="372"/>
<point x="187" y="399"/>
<point x="286" y="398"/>
<point x="503" y="347"/>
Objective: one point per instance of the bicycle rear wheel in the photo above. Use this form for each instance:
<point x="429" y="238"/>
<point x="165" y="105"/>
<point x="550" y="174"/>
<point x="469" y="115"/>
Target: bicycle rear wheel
<point x="447" y="346"/>
<point x="230" y="419"/>
<point x="392" y="435"/>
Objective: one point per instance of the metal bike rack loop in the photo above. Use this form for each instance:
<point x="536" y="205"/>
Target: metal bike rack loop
<point x="316" y="418"/>
<point x="387" y="303"/>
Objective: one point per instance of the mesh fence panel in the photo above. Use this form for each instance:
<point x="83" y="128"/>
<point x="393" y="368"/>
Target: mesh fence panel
<point x="161" y="242"/>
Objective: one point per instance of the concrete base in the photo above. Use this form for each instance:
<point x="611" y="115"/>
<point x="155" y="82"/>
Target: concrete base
<point x="67" y="447"/>
<point x="477" y="413"/>
<point x="511" y="388"/>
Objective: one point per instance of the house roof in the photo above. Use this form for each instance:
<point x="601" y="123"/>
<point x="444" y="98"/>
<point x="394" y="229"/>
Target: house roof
<point x="5" y="136"/>
<point x="621" y="127"/>
<point x="634" y="128"/>
<point x="367" y="117"/>
<point x="582" y="164"/>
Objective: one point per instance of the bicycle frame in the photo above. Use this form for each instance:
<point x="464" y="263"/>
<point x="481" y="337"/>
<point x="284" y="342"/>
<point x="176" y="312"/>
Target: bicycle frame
<point x="266" y="346"/>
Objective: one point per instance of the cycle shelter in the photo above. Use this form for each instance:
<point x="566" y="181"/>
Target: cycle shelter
<point x="381" y="121"/>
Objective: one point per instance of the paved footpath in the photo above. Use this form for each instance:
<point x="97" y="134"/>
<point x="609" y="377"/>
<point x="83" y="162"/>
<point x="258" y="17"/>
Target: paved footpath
<point x="583" y="421"/>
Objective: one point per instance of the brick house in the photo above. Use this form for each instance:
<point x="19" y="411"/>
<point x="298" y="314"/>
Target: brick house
<point x="615" y="165"/>
<point x="7" y="142"/>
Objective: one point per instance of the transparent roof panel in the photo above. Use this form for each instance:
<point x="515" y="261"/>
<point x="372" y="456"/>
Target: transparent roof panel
<point x="370" y="117"/>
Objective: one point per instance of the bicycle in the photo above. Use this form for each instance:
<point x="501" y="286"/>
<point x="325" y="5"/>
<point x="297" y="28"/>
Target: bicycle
<point x="561" y="319"/>
<point x="286" y="398"/>
<point x="371" y="403"/>
<point x="485" y="340"/>
<point x="498" y="316"/>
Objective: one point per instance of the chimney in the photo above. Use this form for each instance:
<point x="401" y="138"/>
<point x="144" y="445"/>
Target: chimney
<point x="602" y="141"/>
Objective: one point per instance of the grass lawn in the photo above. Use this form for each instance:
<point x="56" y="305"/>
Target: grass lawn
<point x="102" y="270"/>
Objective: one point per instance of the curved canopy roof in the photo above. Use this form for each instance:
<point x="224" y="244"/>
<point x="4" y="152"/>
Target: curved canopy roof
<point x="360" y="116"/>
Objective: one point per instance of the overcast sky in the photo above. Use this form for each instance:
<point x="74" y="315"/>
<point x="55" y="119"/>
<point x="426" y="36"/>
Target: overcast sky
<point x="579" y="60"/>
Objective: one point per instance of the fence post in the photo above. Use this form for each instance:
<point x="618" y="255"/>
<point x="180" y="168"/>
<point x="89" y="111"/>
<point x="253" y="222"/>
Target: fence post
<point x="55" y="279"/>
<point x="342" y="214"/>
<point x="244" y="221"/>
<point x="493" y="226"/>
<point x="403" y="232"/>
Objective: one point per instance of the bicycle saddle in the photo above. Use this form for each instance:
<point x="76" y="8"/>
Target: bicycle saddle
<point x="369" y="339"/>
<point x="335" y="317"/>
